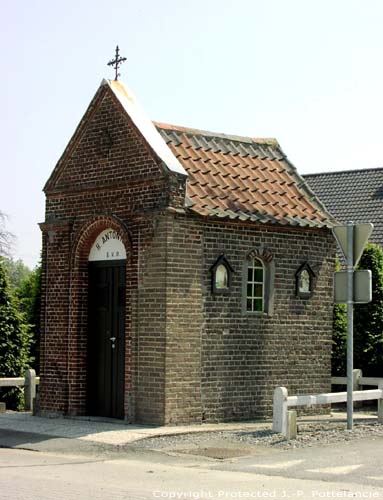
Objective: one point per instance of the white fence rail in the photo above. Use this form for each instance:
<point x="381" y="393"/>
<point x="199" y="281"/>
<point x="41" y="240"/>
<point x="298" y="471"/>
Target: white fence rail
<point x="358" y="380"/>
<point x="285" y="421"/>
<point x="29" y="382"/>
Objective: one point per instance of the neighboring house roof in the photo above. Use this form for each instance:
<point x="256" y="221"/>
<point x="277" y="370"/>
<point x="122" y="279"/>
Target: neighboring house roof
<point x="355" y="195"/>
<point x="242" y="178"/>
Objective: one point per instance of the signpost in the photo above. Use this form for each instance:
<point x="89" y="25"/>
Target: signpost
<point x="352" y="239"/>
<point x="362" y="287"/>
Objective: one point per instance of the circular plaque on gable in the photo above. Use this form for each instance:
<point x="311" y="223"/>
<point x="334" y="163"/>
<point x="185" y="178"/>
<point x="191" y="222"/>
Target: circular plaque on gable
<point x="108" y="246"/>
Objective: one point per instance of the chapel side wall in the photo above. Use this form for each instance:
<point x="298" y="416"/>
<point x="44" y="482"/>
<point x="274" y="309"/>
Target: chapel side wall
<point x="244" y="357"/>
<point x="184" y="321"/>
<point x="53" y="388"/>
<point x="149" y="324"/>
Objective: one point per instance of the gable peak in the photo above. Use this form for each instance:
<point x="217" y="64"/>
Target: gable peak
<point x="144" y="125"/>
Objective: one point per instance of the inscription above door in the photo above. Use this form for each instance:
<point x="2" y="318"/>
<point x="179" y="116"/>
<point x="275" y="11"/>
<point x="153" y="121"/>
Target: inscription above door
<point x="108" y="246"/>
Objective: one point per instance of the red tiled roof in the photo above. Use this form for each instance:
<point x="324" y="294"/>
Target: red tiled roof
<point x="242" y="178"/>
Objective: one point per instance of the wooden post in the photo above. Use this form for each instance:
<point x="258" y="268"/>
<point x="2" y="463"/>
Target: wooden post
<point x="29" y="389"/>
<point x="380" y="404"/>
<point x="280" y="410"/>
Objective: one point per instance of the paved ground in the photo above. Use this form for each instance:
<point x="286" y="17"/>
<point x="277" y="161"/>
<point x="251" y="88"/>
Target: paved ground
<point x="91" y="460"/>
<point x="114" y="432"/>
<point x="353" y="462"/>
<point x="103" y="431"/>
<point x="42" y="476"/>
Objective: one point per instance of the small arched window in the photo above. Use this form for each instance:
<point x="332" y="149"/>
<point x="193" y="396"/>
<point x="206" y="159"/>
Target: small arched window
<point x="304" y="278"/>
<point x="221" y="272"/>
<point x="255" y="291"/>
<point x="221" y="277"/>
<point x="304" y="282"/>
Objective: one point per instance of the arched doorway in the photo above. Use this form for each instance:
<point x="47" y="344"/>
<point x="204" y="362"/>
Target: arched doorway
<point x="106" y="325"/>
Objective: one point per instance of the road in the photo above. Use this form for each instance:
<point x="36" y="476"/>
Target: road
<point x="346" y="470"/>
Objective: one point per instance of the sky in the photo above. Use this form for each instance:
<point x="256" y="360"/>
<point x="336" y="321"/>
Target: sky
<point x="307" y="72"/>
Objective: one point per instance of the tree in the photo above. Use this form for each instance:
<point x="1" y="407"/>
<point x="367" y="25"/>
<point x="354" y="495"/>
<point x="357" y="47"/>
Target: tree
<point x="17" y="271"/>
<point x="28" y="294"/>
<point x="15" y="340"/>
<point x="6" y="237"/>
<point x="368" y="318"/>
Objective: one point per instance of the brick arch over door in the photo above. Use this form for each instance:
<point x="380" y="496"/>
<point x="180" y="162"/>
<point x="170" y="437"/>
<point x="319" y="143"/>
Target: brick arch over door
<point x="78" y="310"/>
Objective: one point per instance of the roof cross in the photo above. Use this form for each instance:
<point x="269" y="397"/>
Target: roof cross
<point x="116" y="62"/>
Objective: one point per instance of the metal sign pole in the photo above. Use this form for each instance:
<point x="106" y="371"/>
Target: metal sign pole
<point x="350" y="321"/>
<point x="352" y="239"/>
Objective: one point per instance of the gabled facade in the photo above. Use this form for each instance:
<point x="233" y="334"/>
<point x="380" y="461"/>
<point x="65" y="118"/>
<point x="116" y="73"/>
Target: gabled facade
<point x="138" y="217"/>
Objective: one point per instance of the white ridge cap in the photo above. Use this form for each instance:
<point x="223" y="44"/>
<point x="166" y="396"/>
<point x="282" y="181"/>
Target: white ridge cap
<point x="145" y="125"/>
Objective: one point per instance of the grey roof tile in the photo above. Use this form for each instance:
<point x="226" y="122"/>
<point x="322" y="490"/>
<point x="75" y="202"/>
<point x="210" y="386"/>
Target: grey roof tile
<point x="355" y="195"/>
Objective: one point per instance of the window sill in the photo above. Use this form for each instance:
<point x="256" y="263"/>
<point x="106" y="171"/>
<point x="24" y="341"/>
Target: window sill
<point x="257" y="314"/>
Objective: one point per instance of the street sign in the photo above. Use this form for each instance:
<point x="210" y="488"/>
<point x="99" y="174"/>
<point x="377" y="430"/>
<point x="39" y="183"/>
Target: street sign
<point x="361" y="234"/>
<point x="350" y="288"/>
<point x="362" y="287"/>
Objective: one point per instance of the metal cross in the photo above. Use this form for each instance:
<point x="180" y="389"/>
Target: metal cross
<point x="116" y="62"/>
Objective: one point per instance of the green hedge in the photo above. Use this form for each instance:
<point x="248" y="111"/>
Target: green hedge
<point x="15" y="341"/>
<point x="368" y="323"/>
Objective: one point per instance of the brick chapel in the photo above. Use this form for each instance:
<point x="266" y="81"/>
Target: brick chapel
<point x="186" y="273"/>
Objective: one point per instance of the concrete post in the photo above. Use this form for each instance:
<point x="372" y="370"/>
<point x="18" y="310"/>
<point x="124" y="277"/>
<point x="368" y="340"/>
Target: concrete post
<point x="29" y="389"/>
<point x="380" y="405"/>
<point x="356" y="385"/>
<point x="280" y="410"/>
<point x="291" y="424"/>
<point x="356" y="376"/>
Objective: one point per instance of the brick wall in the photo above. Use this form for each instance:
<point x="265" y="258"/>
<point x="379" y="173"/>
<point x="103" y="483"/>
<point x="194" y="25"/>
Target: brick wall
<point x="244" y="356"/>
<point x="55" y="285"/>
<point x="184" y="321"/>
<point x="223" y="364"/>
<point x="150" y="324"/>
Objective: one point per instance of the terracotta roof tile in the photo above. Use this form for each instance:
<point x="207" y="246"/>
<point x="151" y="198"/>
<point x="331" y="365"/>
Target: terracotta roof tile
<point x="242" y="178"/>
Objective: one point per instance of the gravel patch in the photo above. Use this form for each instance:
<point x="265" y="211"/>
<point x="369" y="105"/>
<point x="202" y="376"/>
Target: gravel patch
<point x="309" y="434"/>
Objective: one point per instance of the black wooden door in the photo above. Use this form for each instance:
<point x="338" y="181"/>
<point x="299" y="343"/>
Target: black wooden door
<point x="106" y="339"/>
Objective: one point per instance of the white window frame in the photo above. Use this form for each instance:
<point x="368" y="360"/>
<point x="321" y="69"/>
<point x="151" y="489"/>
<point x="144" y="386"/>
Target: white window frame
<point x="254" y="298"/>
<point x="264" y="258"/>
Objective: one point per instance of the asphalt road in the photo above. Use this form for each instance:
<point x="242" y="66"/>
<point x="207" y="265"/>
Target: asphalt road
<point x="358" y="462"/>
<point x="344" y="470"/>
